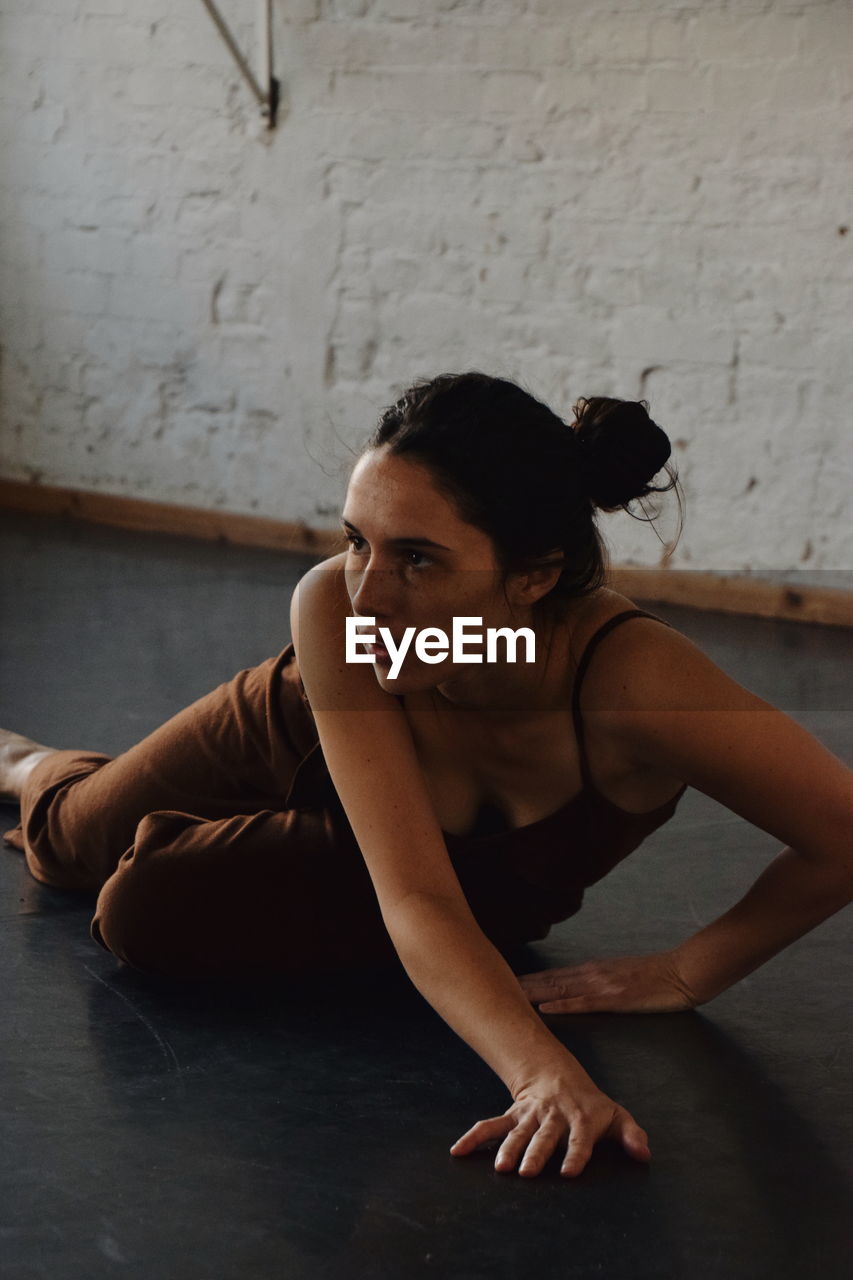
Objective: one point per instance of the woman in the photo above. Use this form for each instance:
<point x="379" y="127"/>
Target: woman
<point x="435" y="808"/>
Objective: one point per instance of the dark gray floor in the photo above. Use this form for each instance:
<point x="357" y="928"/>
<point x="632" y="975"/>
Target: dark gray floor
<point x="157" y="1131"/>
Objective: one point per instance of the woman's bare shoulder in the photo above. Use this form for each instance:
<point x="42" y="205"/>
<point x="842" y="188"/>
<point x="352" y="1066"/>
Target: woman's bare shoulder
<point x="319" y="608"/>
<point x="623" y="646"/>
<point x="615" y="602"/>
<point x="607" y="604"/>
<point x="321" y="595"/>
<point x="329" y="574"/>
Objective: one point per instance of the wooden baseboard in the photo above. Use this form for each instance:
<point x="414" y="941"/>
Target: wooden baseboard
<point x="695" y="589"/>
<point x="730" y="593"/>
<point x="164" y="517"/>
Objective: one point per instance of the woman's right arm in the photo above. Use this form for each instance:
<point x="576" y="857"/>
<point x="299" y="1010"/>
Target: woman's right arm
<point x="368" y="747"/>
<point x="467" y="981"/>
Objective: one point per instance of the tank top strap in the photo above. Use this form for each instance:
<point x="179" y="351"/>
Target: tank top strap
<point x="594" y="640"/>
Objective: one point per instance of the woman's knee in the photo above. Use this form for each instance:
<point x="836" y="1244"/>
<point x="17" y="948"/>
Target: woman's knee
<point x="144" y="913"/>
<point x="248" y="896"/>
<point x="184" y="900"/>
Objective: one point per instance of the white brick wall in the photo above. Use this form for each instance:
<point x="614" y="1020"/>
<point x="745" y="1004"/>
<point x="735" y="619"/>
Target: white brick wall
<point x="631" y="198"/>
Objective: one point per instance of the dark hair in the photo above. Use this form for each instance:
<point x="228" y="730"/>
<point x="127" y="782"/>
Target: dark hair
<point x="518" y="472"/>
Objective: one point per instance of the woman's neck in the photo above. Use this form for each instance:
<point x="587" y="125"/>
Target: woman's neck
<point x="508" y="691"/>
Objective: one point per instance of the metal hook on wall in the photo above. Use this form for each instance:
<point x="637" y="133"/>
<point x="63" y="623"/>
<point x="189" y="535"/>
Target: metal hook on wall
<point x="267" y="97"/>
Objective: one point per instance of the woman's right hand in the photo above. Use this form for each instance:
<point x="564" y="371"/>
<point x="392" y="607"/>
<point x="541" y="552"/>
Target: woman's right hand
<point x="546" y="1110"/>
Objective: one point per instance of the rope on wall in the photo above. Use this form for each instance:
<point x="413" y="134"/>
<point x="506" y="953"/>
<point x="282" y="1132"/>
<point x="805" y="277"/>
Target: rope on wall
<point x="268" y="97"/>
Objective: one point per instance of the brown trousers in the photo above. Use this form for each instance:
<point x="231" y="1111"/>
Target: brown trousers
<point x="217" y="845"/>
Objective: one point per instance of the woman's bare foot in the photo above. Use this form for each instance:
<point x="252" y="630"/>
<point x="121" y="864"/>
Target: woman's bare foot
<point x="18" y="756"/>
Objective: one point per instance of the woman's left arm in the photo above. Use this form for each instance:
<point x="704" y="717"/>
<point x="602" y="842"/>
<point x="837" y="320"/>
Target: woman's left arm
<point x="683" y="715"/>
<point x="791" y="896"/>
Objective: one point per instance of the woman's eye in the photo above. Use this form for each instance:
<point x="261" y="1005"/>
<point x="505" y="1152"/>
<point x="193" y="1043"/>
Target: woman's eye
<point x="422" y="560"/>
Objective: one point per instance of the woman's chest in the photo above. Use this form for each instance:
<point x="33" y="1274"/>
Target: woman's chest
<point x="525" y="777"/>
<point x="530" y="769"/>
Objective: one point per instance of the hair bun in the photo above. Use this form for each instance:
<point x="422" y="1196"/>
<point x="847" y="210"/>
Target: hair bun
<point x="621" y="449"/>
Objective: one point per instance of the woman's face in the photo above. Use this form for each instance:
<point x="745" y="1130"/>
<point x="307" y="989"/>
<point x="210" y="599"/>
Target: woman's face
<point x="413" y="562"/>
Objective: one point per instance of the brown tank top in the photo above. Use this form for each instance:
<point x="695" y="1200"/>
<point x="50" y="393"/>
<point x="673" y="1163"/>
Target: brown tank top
<point x="520" y="881"/>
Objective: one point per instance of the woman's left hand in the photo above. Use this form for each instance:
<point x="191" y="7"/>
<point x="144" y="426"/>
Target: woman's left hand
<point x="621" y="984"/>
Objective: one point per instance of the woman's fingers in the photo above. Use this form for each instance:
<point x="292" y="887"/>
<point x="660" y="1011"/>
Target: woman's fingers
<point x="587" y="993"/>
<point x="634" y="1139"/>
<point x="619" y="984"/>
<point x="538" y="986"/>
<point x="524" y="1138"/>
<point x="541" y="1147"/>
<point x="529" y="1143"/>
<point x="482" y="1131"/>
<point x="558" y="984"/>
<point x="577" y="1004"/>
<point x="581" y="1142"/>
<point x="514" y="1144"/>
<point x="583" y="1137"/>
